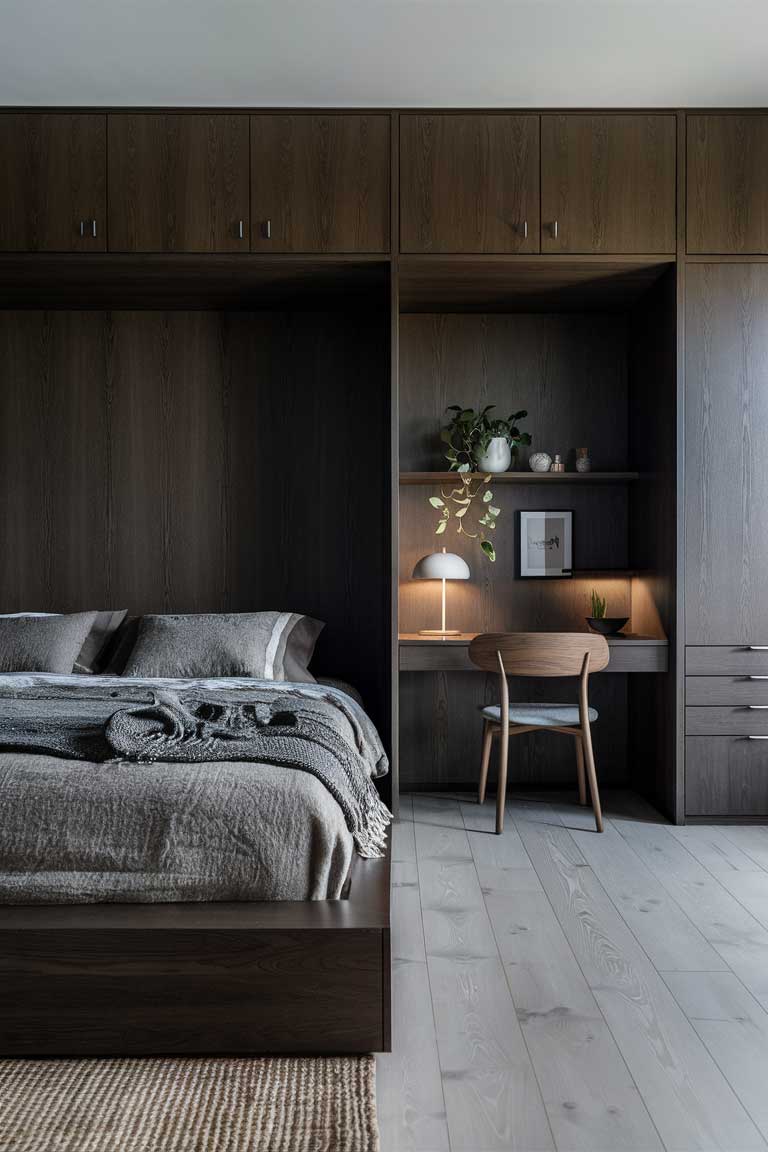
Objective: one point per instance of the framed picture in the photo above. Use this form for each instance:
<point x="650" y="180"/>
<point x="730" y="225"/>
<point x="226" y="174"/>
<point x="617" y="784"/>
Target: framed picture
<point x="546" y="544"/>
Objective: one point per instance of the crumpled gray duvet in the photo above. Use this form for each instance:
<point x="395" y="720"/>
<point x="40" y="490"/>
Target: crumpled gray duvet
<point x="79" y="831"/>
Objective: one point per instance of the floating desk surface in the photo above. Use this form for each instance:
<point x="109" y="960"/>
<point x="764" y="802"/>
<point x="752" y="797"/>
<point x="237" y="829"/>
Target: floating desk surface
<point x="629" y="653"/>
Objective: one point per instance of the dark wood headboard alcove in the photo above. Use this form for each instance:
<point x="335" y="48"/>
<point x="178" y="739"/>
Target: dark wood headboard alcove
<point x="203" y="458"/>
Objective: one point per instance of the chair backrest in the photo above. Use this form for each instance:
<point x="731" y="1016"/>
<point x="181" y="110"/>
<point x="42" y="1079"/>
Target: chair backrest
<point x="539" y="653"/>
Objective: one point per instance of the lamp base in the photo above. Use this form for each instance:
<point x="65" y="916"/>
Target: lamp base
<point x="439" y="632"/>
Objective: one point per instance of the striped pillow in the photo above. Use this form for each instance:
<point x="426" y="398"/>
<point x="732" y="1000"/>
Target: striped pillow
<point x="264" y="645"/>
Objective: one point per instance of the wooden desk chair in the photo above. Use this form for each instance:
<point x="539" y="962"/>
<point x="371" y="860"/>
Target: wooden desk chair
<point x="540" y="654"/>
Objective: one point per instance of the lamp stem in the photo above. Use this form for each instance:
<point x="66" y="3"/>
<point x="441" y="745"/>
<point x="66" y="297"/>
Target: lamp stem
<point x="443" y="624"/>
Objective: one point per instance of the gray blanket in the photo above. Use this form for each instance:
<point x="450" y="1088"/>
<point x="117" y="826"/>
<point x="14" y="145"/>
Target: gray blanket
<point x="182" y="790"/>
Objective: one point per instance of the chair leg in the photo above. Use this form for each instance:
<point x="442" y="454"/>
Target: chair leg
<point x="501" y="795"/>
<point x="580" y="771"/>
<point x="487" y="741"/>
<point x="592" y="776"/>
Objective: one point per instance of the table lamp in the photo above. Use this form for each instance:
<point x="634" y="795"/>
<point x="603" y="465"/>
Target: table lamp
<point x="441" y="566"/>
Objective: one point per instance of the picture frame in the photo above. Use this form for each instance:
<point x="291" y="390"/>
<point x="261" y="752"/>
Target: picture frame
<point x="545" y="544"/>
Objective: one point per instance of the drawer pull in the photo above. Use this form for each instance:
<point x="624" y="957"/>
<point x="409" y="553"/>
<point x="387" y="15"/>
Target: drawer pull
<point x="757" y="707"/>
<point x="757" y="737"/>
<point x="757" y="648"/>
<point x="757" y="677"/>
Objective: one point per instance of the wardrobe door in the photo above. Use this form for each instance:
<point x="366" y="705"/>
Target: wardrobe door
<point x="320" y="183"/>
<point x="178" y="183"/>
<point x="726" y="454"/>
<point x="469" y="183"/>
<point x="727" y="180"/>
<point x="608" y="183"/>
<point x="52" y="182"/>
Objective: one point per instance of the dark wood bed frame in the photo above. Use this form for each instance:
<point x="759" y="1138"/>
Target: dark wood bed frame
<point x="141" y="979"/>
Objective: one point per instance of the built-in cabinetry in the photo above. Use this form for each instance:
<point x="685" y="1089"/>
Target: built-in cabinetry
<point x="727" y="178"/>
<point x="53" y="182"/>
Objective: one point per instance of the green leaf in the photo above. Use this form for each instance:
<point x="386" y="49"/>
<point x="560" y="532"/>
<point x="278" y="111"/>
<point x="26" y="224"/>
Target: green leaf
<point x="460" y="512"/>
<point x="487" y="496"/>
<point x="494" y="511"/>
<point x="436" y="502"/>
<point x="489" y="549"/>
<point x="463" y="467"/>
<point x="441" y="527"/>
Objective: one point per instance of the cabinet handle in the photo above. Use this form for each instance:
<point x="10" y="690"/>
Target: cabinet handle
<point x="82" y="227"/>
<point x="757" y="648"/>
<point x="267" y="229"/>
<point x="757" y="677"/>
<point x="757" y="737"/>
<point x="555" y="229"/>
<point x="525" y="229"/>
<point x="93" y="229"/>
<point x="240" y="229"/>
<point x="757" y="707"/>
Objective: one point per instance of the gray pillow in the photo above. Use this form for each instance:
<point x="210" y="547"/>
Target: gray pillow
<point x="265" y="645"/>
<point x="43" y="643"/>
<point x="91" y="657"/>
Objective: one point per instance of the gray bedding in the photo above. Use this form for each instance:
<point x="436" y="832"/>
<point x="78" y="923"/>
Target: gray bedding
<point x="96" y="829"/>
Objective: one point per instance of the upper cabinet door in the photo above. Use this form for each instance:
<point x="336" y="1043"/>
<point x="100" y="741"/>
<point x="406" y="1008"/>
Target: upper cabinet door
<point x="469" y="183"/>
<point x="608" y="183"/>
<point x="178" y="183"/>
<point x="320" y="183"/>
<point x="52" y="182"/>
<point x="726" y="448"/>
<point x="727" y="184"/>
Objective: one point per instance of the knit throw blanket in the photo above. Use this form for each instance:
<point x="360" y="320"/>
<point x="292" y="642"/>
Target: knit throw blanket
<point x="196" y="727"/>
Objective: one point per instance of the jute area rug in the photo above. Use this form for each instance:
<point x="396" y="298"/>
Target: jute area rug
<point x="167" y="1104"/>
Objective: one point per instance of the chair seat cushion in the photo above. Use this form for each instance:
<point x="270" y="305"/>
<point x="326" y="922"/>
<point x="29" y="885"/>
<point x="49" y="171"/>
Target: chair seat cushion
<point x="555" y="714"/>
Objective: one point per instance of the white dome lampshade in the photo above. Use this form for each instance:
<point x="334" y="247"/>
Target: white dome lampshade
<point x="441" y="566"/>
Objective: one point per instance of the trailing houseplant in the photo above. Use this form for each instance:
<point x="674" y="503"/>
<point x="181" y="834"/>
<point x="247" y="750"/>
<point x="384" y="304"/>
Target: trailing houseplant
<point x="470" y="506"/>
<point x="469" y="435"/>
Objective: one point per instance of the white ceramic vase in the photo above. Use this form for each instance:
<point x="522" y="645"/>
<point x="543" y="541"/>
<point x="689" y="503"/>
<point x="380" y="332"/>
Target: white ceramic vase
<point x="540" y="462"/>
<point x="497" y="457"/>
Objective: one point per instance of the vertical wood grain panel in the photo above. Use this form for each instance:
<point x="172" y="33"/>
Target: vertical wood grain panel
<point x="178" y="183"/>
<point x="726" y="448"/>
<point x="469" y="183"/>
<point x="322" y="181"/>
<point x="609" y="182"/>
<point x="53" y="170"/>
<point x="727" y="177"/>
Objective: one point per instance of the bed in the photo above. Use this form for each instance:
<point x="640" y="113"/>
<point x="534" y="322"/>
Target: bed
<point x="187" y="905"/>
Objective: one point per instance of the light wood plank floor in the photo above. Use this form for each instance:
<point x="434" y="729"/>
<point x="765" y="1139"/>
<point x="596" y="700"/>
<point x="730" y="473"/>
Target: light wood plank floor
<point x="556" y="989"/>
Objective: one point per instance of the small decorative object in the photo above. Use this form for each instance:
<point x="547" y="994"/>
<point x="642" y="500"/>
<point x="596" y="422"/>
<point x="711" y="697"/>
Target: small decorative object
<point x="472" y="439"/>
<point x="441" y="566"/>
<point x="546" y="547"/>
<point x="583" y="462"/>
<point x="540" y="462"/>
<point x="557" y="464"/>
<point x="599" y="622"/>
<point x="459" y="504"/>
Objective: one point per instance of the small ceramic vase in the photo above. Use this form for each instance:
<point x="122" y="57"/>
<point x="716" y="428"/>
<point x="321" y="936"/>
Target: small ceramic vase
<point x="583" y="462"/>
<point x="540" y="462"/>
<point x="557" y="464"/>
<point x="497" y="457"/>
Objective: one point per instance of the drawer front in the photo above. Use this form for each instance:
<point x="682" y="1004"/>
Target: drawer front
<point x="726" y="776"/>
<point x="739" y="721"/>
<point x="434" y="656"/>
<point x="724" y="690"/>
<point x="726" y="660"/>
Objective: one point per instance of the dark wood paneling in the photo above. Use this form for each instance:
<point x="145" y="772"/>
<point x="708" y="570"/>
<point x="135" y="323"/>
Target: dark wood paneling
<point x="321" y="181"/>
<point x="725" y="776"/>
<point x="178" y="183"/>
<point x="652" y="534"/>
<point x="727" y="178"/>
<point x="469" y="183"/>
<point x="53" y="172"/>
<point x="541" y="284"/>
<point x="609" y="182"/>
<point x="726" y="448"/>
<point x="441" y="730"/>
<point x="568" y="372"/>
<point x="199" y="461"/>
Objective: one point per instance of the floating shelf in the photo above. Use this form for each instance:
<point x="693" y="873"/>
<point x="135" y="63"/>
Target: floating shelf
<point x="524" y="477"/>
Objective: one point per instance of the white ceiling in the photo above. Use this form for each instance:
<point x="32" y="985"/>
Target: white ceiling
<point x="390" y="53"/>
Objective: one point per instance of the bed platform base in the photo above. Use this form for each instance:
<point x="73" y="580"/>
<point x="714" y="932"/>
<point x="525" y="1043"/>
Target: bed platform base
<point x="144" y="979"/>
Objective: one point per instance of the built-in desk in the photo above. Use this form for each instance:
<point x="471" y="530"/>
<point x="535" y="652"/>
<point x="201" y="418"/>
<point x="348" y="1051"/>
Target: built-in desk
<point x="451" y="654"/>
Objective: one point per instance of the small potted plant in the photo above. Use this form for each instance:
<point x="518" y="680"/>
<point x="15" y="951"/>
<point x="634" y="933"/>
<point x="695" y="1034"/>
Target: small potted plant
<point x="477" y="441"/>
<point x="599" y="622"/>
